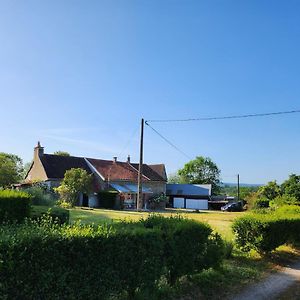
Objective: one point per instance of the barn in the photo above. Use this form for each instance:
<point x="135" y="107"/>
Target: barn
<point x="189" y="196"/>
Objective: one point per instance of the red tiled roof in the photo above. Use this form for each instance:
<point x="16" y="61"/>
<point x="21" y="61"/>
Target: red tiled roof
<point x="56" y="166"/>
<point x="123" y="171"/>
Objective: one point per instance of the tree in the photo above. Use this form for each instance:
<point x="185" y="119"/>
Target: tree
<point x="61" y="153"/>
<point x="201" y="170"/>
<point x="11" y="168"/>
<point x="26" y="169"/>
<point x="269" y="191"/>
<point x="291" y="186"/>
<point x="174" y="178"/>
<point x="75" y="181"/>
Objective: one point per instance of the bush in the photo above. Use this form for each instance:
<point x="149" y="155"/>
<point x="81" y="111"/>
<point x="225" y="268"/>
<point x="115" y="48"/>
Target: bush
<point x="86" y="262"/>
<point x="77" y="262"/>
<point x="261" y="203"/>
<point x="57" y="214"/>
<point x="107" y="199"/>
<point x="41" y="196"/>
<point x="14" y="206"/>
<point x="283" y="200"/>
<point x="189" y="246"/>
<point x="265" y="233"/>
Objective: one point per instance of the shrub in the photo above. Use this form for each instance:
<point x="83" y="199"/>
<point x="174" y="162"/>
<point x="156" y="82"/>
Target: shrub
<point x="283" y="200"/>
<point x="86" y="262"/>
<point x="57" y="214"/>
<point x="14" y="206"/>
<point x="265" y="233"/>
<point x="261" y="203"/>
<point x="41" y="196"/>
<point x="75" y="262"/>
<point x="189" y="246"/>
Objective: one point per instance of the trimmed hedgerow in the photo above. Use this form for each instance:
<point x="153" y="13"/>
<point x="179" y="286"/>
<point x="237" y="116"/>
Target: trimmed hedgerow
<point x="42" y="260"/>
<point x="266" y="232"/>
<point x="14" y="206"/>
<point x="189" y="246"/>
<point x="48" y="262"/>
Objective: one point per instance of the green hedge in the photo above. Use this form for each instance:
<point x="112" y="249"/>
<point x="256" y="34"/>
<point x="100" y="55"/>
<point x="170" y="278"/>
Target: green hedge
<point x="14" y="206"/>
<point x="189" y="246"/>
<point x="47" y="261"/>
<point x="58" y="214"/>
<point x="266" y="232"/>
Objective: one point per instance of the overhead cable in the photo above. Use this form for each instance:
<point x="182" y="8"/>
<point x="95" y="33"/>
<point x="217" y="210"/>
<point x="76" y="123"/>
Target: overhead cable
<point x="227" y="117"/>
<point x="166" y="140"/>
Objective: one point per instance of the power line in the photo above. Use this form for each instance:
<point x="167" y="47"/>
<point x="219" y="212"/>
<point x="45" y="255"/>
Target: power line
<point x="128" y="141"/>
<point x="227" y="117"/>
<point x="166" y="140"/>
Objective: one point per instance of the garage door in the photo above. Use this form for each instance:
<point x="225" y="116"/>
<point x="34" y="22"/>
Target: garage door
<point x="178" y="203"/>
<point x="197" y="203"/>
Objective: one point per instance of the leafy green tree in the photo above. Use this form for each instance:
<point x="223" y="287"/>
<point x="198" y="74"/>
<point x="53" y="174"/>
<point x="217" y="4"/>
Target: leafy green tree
<point x="75" y="181"/>
<point x="291" y="186"/>
<point x="174" y="178"/>
<point x="62" y="153"/>
<point x="269" y="191"/>
<point x="26" y="169"/>
<point x="11" y="168"/>
<point x="283" y="200"/>
<point x="201" y="170"/>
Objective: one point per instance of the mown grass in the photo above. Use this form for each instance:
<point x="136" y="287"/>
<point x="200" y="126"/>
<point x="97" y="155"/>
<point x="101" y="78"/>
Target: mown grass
<point x="219" y="221"/>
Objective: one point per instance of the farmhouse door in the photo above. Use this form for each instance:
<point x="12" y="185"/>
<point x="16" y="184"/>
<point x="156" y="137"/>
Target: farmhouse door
<point x="85" y="200"/>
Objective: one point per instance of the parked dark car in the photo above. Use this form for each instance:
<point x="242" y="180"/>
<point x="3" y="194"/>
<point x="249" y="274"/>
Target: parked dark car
<point x="233" y="206"/>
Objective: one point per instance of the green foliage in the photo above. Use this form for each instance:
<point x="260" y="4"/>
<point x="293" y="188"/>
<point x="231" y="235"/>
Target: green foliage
<point x="265" y="232"/>
<point x="58" y="214"/>
<point x="61" y="153"/>
<point x="14" y="206"/>
<point x="25" y="170"/>
<point x="245" y="191"/>
<point x="261" y="203"/>
<point x="41" y="196"/>
<point x="189" y="246"/>
<point x="107" y="199"/>
<point x="201" y="170"/>
<point x="270" y="191"/>
<point x="291" y="187"/>
<point x="75" y="181"/>
<point x="174" y="178"/>
<point x="88" y="262"/>
<point x="284" y="199"/>
<point x="11" y="168"/>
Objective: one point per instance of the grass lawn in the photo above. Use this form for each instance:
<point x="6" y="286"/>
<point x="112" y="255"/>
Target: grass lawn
<point x="219" y="221"/>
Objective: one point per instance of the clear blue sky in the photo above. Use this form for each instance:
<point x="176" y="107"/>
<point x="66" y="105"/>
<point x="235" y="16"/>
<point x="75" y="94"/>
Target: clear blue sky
<point x="79" y="75"/>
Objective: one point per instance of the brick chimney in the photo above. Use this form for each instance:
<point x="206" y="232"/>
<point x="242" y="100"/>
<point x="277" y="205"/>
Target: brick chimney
<point x="128" y="159"/>
<point x="38" y="151"/>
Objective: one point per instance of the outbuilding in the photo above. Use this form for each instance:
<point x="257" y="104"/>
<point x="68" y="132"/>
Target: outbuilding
<point x="189" y="196"/>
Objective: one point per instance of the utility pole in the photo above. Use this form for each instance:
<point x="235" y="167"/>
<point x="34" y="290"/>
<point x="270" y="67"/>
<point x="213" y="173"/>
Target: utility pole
<point x="238" y="186"/>
<point x="139" y="200"/>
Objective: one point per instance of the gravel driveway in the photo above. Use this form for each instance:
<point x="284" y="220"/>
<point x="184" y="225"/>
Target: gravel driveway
<point x="274" y="285"/>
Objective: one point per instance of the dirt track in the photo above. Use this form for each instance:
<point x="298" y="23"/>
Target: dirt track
<point x="274" y="285"/>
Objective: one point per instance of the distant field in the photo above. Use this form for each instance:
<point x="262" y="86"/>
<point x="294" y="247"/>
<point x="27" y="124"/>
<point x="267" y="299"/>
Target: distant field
<point x="219" y="221"/>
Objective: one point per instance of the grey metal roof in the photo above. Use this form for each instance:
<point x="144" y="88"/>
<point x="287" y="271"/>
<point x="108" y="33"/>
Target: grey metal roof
<point x="130" y="188"/>
<point x="189" y="189"/>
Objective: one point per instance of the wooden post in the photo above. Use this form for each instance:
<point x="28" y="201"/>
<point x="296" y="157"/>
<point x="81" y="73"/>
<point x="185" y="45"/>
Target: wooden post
<point x="238" y="186"/>
<point x="139" y="201"/>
